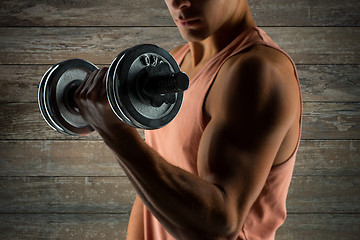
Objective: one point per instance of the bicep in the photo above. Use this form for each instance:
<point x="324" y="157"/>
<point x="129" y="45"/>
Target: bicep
<point x="235" y="162"/>
<point x="236" y="165"/>
<point x="237" y="150"/>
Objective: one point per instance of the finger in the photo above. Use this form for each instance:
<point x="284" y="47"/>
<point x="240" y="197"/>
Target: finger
<point x="85" y="84"/>
<point x="97" y="86"/>
<point x="104" y="82"/>
<point x="98" y="83"/>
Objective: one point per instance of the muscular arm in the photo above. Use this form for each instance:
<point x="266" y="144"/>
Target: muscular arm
<point x="250" y="115"/>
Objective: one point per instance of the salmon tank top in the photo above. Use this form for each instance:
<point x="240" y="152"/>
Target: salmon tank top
<point x="178" y="143"/>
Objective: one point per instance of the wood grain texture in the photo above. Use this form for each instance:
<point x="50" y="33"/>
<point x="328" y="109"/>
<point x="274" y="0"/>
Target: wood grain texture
<point x="66" y="195"/>
<point x="307" y="194"/>
<point x="320" y="227"/>
<point x="325" y="83"/>
<point x="330" y="83"/>
<point x="93" y="158"/>
<point x="113" y="226"/>
<point x="63" y="226"/>
<point x="85" y="13"/>
<point x="97" y="45"/>
<point x="155" y="13"/>
<point x="328" y="158"/>
<point x="326" y="45"/>
<point x="331" y="120"/>
<point x="324" y="194"/>
<point x="305" y="12"/>
<point x="321" y="121"/>
<point x="57" y="158"/>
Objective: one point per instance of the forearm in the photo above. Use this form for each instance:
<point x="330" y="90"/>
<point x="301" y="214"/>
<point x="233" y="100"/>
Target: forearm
<point x="186" y="205"/>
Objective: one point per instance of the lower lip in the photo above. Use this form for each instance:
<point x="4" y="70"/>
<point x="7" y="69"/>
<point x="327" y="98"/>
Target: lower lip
<point x="190" y="23"/>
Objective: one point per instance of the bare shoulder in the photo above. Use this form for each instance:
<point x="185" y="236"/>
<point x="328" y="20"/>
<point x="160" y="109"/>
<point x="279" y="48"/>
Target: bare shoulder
<point x="258" y="72"/>
<point x="253" y="81"/>
<point x="260" y="63"/>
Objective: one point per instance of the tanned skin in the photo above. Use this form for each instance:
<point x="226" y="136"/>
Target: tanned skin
<point x="252" y="111"/>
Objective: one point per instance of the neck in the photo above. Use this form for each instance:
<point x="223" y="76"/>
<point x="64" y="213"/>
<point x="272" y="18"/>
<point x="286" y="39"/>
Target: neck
<point x="204" y="50"/>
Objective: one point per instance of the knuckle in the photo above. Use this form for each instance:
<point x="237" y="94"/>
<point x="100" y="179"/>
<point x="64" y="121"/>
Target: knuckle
<point x="83" y="94"/>
<point x="89" y="95"/>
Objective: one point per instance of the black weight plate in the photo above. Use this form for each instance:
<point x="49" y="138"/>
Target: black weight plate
<point x="51" y="95"/>
<point x="41" y="98"/>
<point x="124" y="86"/>
<point x="110" y="90"/>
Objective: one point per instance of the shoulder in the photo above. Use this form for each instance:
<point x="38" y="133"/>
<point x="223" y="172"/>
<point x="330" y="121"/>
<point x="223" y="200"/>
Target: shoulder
<point x="260" y="79"/>
<point x="261" y="69"/>
<point x="260" y="63"/>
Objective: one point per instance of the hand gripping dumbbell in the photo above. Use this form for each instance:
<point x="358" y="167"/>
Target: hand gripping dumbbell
<point x="144" y="87"/>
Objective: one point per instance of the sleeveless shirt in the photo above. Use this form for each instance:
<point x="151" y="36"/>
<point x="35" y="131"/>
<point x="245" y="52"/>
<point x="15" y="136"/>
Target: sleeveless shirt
<point x="178" y="143"/>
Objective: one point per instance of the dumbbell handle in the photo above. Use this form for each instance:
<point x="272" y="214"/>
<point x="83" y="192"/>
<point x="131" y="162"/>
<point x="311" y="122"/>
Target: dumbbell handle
<point x="157" y="86"/>
<point x="172" y="83"/>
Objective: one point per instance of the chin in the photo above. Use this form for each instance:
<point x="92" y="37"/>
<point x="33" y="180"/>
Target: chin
<point x="194" y="36"/>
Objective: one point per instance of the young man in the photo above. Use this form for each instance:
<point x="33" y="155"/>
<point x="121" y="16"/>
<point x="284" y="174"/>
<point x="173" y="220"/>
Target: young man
<point x="222" y="168"/>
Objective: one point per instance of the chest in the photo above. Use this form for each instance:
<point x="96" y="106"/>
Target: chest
<point x="191" y="69"/>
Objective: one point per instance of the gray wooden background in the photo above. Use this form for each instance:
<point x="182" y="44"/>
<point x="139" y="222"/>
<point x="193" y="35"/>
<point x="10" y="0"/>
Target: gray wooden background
<point x="58" y="187"/>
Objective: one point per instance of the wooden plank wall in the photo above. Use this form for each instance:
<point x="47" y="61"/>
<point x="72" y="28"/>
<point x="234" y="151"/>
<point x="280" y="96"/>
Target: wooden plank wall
<point x="58" y="187"/>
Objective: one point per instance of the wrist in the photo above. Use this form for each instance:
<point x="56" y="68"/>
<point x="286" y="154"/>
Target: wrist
<point x="124" y="141"/>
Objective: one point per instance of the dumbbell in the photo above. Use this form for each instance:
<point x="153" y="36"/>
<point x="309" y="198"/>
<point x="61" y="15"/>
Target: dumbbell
<point x="144" y="87"/>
